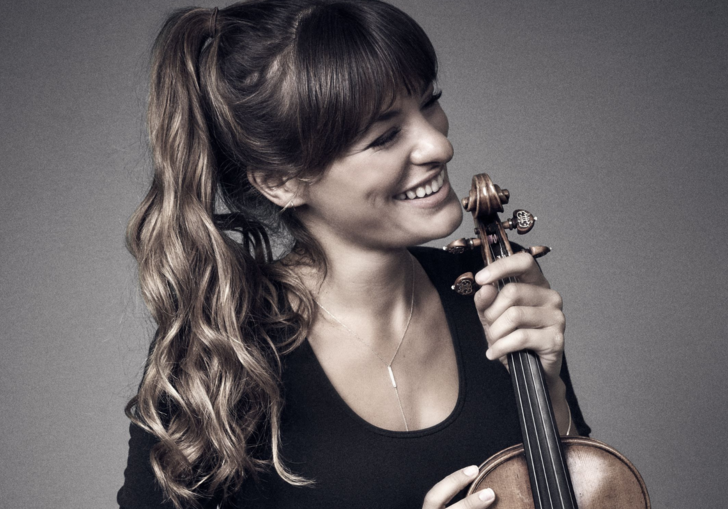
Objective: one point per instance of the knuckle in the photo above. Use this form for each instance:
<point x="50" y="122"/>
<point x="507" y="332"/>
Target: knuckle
<point x="510" y="292"/>
<point x="483" y="303"/>
<point x="560" y="320"/>
<point x="556" y="300"/>
<point x="558" y="341"/>
<point x="514" y="316"/>
<point x="520" y="337"/>
<point x="528" y="260"/>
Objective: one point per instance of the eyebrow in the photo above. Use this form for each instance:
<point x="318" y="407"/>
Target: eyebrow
<point x="387" y="115"/>
<point x="390" y="114"/>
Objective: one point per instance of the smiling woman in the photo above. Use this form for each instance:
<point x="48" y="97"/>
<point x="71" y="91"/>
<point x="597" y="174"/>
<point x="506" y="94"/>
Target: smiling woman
<point x="341" y="372"/>
<point x="360" y="201"/>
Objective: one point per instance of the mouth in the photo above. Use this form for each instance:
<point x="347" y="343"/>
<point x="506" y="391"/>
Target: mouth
<point x="424" y="190"/>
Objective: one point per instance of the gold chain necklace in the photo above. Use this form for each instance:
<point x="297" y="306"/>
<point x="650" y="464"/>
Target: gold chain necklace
<point x="399" y="345"/>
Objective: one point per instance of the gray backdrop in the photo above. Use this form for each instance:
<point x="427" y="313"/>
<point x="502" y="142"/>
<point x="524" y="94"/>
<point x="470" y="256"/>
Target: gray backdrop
<point x="608" y="120"/>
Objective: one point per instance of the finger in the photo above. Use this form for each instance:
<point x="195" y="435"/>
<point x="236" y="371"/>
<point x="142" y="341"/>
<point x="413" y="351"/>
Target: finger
<point x="442" y="492"/>
<point x="483" y="498"/>
<point x="518" y="294"/>
<point x="520" y="265"/>
<point x="485" y="296"/>
<point x="525" y="317"/>
<point x="548" y="344"/>
<point x="544" y="342"/>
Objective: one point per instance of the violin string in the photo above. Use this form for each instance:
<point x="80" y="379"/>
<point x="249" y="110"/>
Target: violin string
<point x="533" y="373"/>
<point x="520" y="368"/>
<point x="532" y="368"/>
<point x="527" y="365"/>
<point x="517" y="362"/>
<point x="536" y="372"/>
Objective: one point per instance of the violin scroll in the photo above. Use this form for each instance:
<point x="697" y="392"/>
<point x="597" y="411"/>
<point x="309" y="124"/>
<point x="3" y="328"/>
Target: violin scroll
<point x="485" y="200"/>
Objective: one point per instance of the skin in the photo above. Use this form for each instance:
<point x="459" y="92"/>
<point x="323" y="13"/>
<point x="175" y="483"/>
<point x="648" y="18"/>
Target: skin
<point x="354" y="213"/>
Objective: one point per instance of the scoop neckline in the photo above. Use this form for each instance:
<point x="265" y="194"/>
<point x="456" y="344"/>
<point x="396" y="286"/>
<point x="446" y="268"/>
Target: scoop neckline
<point x="452" y="417"/>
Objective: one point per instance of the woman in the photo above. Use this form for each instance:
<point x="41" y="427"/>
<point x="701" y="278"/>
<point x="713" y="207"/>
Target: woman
<point x="306" y="356"/>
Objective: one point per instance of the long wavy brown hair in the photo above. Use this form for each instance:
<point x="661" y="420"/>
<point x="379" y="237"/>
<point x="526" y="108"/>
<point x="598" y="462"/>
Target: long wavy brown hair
<point x="277" y="87"/>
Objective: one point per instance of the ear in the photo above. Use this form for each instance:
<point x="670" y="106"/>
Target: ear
<point x="284" y="193"/>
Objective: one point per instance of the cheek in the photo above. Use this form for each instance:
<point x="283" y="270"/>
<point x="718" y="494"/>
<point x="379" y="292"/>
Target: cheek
<point x="454" y="213"/>
<point x="443" y="223"/>
<point x="371" y="177"/>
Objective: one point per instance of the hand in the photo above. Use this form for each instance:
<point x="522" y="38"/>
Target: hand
<point x="526" y="314"/>
<point x="442" y="492"/>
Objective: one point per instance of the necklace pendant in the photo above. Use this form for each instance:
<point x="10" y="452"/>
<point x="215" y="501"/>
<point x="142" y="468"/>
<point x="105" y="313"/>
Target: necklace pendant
<point x="401" y="340"/>
<point x="391" y="376"/>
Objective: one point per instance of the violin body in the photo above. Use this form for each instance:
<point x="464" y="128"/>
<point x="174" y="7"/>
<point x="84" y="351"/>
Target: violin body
<point x="547" y="471"/>
<point x="601" y="476"/>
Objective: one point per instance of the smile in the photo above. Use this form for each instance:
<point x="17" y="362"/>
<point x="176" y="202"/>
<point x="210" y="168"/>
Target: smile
<point x="424" y="190"/>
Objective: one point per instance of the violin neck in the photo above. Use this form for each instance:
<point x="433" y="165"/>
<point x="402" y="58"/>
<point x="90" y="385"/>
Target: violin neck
<point x="550" y="481"/>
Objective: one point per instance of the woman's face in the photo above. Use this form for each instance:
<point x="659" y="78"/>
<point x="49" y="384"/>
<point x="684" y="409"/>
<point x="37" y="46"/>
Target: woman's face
<point x="391" y="188"/>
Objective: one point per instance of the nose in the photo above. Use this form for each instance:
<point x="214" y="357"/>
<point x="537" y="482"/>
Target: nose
<point x="431" y="145"/>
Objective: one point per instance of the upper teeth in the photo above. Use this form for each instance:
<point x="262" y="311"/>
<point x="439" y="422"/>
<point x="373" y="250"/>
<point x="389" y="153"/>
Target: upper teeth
<point x="425" y="190"/>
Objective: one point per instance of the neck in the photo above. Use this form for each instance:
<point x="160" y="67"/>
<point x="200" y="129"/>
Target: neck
<point x="369" y="291"/>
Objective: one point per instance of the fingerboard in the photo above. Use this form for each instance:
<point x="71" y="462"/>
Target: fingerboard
<point x="550" y="480"/>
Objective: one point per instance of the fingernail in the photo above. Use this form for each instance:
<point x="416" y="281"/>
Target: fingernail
<point x="486" y="495"/>
<point x="482" y="277"/>
<point x="489" y="354"/>
<point x="470" y="471"/>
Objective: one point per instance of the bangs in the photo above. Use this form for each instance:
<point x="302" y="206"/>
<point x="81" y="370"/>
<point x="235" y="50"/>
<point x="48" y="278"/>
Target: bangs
<point x="353" y="61"/>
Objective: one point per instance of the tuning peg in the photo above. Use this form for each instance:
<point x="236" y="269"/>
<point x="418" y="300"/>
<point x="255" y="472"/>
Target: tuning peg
<point x="539" y="251"/>
<point x="465" y="284"/>
<point x="461" y="245"/>
<point x="522" y="221"/>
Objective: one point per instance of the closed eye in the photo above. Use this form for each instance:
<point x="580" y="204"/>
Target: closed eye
<point x="386" y="138"/>
<point x="391" y="135"/>
<point x="432" y="100"/>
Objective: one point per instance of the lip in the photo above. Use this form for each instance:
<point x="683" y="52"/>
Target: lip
<point x="432" y="200"/>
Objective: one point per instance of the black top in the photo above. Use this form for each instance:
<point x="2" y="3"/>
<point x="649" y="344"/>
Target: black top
<point x="355" y="464"/>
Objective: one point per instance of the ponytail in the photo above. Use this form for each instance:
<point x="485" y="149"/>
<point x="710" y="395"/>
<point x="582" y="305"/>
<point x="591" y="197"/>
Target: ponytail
<point x="211" y="391"/>
<point x="282" y="87"/>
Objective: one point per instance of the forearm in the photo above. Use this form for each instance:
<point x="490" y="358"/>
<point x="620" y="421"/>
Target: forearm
<point x="562" y="414"/>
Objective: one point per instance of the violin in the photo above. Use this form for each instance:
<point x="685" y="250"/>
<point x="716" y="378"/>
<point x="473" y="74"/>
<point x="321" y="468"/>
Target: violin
<point x="546" y="471"/>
